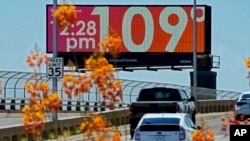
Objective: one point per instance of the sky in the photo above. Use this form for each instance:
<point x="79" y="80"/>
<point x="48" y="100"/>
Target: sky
<point x="23" y="24"/>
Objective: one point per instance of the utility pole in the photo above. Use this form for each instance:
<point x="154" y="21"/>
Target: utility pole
<point x="54" y="80"/>
<point x="194" y="52"/>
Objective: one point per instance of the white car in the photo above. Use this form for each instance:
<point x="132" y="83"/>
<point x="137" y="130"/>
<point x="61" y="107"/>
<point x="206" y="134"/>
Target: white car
<point x="164" y="127"/>
<point x="242" y="106"/>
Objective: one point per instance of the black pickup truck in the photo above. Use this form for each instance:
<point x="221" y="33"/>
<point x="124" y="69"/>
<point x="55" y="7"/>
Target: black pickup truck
<point x="160" y="100"/>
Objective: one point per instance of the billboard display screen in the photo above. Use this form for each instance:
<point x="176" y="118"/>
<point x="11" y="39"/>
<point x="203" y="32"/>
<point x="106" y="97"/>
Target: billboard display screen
<point x="155" y="35"/>
<point x="143" y="29"/>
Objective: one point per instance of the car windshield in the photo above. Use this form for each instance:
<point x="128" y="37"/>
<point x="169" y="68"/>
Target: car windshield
<point x="245" y="96"/>
<point x="162" y="120"/>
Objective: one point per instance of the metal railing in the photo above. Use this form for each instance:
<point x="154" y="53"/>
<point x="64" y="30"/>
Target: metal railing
<point x="14" y="94"/>
<point x="13" y="84"/>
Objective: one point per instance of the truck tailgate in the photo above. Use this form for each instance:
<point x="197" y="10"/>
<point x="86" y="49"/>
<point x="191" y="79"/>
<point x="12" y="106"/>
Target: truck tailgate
<point x="153" y="107"/>
<point x="159" y="132"/>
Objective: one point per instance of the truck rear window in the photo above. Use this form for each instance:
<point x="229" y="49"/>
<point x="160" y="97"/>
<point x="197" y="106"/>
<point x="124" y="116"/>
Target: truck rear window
<point x="159" y="94"/>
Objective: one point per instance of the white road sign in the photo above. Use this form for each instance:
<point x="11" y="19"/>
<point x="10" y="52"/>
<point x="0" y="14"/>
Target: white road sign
<point x="55" y="68"/>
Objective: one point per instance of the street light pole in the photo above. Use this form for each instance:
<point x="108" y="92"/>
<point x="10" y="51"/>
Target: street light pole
<point x="194" y="52"/>
<point x="54" y="80"/>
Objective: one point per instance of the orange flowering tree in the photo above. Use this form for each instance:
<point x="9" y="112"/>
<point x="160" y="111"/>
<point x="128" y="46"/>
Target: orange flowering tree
<point x="203" y="132"/>
<point x="65" y="15"/>
<point x="96" y="125"/>
<point x="41" y="98"/>
<point x="101" y="74"/>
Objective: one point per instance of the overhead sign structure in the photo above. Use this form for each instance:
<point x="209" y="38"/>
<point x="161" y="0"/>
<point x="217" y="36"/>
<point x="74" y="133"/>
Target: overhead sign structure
<point x="145" y="31"/>
<point x="55" y="68"/>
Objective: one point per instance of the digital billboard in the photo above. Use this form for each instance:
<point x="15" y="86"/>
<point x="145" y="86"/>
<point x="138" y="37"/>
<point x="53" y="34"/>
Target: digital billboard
<point x="145" y="30"/>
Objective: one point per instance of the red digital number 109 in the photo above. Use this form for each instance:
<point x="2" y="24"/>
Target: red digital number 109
<point x="176" y="31"/>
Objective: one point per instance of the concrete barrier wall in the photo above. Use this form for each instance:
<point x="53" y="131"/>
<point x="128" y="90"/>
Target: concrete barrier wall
<point x="202" y="106"/>
<point x="16" y="104"/>
<point x="70" y="126"/>
<point x="64" y="127"/>
<point x="207" y="106"/>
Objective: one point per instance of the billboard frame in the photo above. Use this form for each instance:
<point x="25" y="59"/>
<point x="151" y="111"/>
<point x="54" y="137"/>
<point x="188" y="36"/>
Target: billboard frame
<point x="180" y="60"/>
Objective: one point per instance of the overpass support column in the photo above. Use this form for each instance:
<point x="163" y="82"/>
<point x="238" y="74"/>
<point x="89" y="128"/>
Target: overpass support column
<point x="205" y="79"/>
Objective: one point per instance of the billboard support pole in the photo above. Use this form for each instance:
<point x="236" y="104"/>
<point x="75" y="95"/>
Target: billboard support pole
<point x="54" y="80"/>
<point x="194" y="52"/>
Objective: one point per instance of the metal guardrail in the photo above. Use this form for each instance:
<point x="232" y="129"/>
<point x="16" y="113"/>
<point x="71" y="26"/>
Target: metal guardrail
<point x="14" y="94"/>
